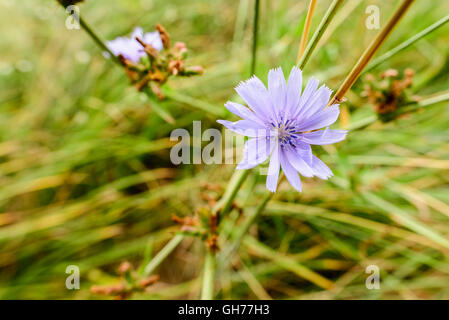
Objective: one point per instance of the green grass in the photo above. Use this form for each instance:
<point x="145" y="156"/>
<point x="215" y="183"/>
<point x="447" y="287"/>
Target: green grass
<point x="86" y="178"/>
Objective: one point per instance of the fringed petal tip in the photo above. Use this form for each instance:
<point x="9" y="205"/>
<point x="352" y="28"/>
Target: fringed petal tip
<point x="242" y="83"/>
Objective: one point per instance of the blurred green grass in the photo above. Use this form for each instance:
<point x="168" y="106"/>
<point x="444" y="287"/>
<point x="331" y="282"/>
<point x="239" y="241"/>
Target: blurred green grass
<point x="86" y="179"/>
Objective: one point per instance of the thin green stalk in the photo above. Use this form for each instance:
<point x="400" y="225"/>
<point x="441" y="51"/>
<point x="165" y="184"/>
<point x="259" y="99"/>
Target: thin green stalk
<point x="157" y="260"/>
<point x="98" y="40"/>
<point x="255" y="36"/>
<point x="319" y="32"/>
<point x="157" y="108"/>
<point x="207" y="291"/>
<point x="225" y="203"/>
<point x="404" y="45"/>
<point x="193" y="102"/>
<point x="434" y="99"/>
<point x="241" y="232"/>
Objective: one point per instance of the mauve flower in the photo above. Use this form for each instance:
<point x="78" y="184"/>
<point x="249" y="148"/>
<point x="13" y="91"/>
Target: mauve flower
<point x="130" y="48"/>
<point x="282" y="123"/>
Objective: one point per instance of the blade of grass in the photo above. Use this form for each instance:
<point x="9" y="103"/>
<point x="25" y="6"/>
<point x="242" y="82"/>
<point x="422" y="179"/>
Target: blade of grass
<point x="404" y="45"/>
<point x="286" y="262"/>
<point x="406" y="219"/>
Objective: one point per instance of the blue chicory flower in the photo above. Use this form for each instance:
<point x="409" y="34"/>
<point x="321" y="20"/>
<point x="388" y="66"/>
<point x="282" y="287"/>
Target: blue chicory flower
<point x="282" y="123"/>
<point x="130" y="48"/>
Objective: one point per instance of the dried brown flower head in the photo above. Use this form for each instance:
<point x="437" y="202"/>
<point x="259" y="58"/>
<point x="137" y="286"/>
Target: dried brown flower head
<point x="389" y="91"/>
<point x="170" y="61"/>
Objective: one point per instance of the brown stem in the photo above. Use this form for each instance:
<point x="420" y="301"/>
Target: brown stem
<point x="306" y="31"/>
<point x="369" y="52"/>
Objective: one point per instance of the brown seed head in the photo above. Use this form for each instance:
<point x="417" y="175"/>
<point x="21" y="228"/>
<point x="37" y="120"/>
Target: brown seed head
<point x="164" y="36"/>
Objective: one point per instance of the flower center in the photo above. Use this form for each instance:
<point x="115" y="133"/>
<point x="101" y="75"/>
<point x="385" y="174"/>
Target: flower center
<point x="286" y="132"/>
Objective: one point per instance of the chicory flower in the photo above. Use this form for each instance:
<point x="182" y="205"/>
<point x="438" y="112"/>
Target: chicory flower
<point x="282" y="123"/>
<point x="130" y="48"/>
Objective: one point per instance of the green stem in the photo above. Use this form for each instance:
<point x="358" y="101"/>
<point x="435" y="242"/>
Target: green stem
<point x="193" y="102"/>
<point x="434" y="99"/>
<point x="255" y="34"/>
<point x="207" y="291"/>
<point x="225" y="203"/>
<point x="98" y="40"/>
<point x="241" y="232"/>
<point x="404" y="45"/>
<point x="157" y="260"/>
<point x="319" y="32"/>
<point x="425" y="102"/>
<point x="157" y="108"/>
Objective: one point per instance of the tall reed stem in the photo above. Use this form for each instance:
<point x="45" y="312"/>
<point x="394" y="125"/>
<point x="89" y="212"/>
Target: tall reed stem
<point x="305" y="33"/>
<point x="330" y="13"/>
<point x="369" y="52"/>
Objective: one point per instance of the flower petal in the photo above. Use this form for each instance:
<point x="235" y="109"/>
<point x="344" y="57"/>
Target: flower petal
<point x="243" y="112"/>
<point x="318" y="102"/>
<point x="154" y="40"/>
<point x="323" y="137"/>
<point x="294" y="87"/>
<point x="321" y="119"/>
<point x="309" y="90"/>
<point x="290" y="172"/>
<point x="296" y="161"/>
<point x="256" y="96"/>
<point x="137" y="33"/>
<point x="256" y="151"/>
<point x="277" y="89"/>
<point x="245" y="127"/>
<point x="320" y="169"/>
<point x="305" y="152"/>
<point x="273" y="170"/>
